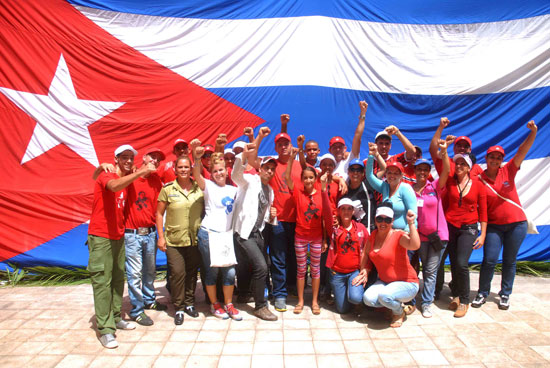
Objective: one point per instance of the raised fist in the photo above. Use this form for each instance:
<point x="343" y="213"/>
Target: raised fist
<point x="285" y="118"/>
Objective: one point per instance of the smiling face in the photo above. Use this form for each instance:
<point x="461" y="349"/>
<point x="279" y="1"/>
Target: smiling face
<point x="382" y="223"/>
<point x="219" y="174"/>
<point x="338" y="150"/>
<point x="309" y="176"/>
<point x="494" y="161"/>
<point x="422" y="172"/>
<point x="393" y="176"/>
<point x="327" y="166"/>
<point x="182" y="168"/>
<point x="125" y="161"/>
<point x="153" y="157"/>
<point x="356" y="174"/>
<point x="461" y="167"/>
<point x="345" y="213"/>
<point x="384" y="145"/>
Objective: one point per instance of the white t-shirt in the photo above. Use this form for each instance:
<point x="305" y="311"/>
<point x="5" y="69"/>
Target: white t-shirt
<point x="341" y="168"/>
<point x="219" y="205"/>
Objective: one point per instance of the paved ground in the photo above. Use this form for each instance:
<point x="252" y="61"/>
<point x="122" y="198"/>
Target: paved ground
<point x="53" y="327"/>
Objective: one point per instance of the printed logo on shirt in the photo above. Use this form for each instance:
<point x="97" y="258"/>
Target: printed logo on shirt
<point x="506" y="184"/>
<point x="283" y="188"/>
<point x="311" y="212"/>
<point x="228" y="203"/>
<point x="141" y="201"/>
<point x="120" y="200"/>
<point x="348" y="244"/>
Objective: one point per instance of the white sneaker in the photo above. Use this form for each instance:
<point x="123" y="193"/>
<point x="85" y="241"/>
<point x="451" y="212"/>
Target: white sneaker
<point x="108" y="341"/>
<point x="426" y="312"/>
<point x="125" y="325"/>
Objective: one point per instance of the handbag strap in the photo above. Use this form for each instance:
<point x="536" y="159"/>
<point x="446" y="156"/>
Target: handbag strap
<point x="501" y="197"/>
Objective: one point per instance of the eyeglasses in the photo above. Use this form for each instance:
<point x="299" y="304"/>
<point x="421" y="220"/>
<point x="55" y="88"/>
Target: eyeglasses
<point x="355" y="169"/>
<point x="385" y="219"/>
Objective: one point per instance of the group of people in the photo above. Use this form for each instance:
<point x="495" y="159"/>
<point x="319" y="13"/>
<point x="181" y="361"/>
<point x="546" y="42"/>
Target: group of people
<point x="255" y="220"/>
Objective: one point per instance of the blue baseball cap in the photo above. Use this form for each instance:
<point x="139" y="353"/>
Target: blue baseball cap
<point x="421" y="161"/>
<point x="356" y="161"/>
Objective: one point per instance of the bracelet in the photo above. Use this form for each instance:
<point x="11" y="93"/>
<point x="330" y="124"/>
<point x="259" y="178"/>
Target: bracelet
<point x="361" y="116"/>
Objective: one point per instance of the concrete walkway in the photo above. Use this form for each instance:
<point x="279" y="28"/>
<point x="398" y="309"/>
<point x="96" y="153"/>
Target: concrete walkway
<point x="53" y="327"/>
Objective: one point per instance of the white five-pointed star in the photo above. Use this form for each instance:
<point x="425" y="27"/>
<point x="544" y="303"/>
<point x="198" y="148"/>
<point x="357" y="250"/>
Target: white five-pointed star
<point x="60" y="116"/>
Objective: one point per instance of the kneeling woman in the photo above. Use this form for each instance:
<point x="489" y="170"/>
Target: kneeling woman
<point x="387" y="249"/>
<point x="344" y="257"/>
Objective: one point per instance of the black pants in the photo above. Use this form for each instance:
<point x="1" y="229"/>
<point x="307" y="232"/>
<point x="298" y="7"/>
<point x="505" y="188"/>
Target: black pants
<point x="183" y="263"/>
<point x="253" y="255"/>
<point x="461" y="242"/>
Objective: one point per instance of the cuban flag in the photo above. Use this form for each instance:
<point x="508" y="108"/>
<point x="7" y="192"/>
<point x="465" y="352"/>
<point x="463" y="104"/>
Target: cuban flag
<point x="79" y="78"/>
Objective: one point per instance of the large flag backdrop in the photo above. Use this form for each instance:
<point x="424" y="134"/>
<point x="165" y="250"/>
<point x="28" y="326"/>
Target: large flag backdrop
<point x="79" y="78"/>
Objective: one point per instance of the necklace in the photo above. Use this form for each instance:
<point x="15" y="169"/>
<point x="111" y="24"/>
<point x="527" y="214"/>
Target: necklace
<point x="461" y="191"/>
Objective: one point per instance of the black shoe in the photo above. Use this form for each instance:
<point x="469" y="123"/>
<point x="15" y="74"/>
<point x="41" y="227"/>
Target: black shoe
<point x="178" y="318"/>
<point x="479" y="301"/>
<point x="156" y="306"/>
<point x="243" y="299"/>
<point x="143" y="319"/>
<point x="191" y="311"/>
<point x="504" y="302"/>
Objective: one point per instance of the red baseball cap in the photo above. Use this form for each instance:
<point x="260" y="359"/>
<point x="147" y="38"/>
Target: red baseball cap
<point x="464" y="138"/>
<point x="208" y="148"/>
<point x="179" y="140"/>
<point x="282" y="136"/>
<point x="335" y="140"/>
<point x="154" y="149"/>
<point x="498" y="149"/>
<point x="396" y="164"/>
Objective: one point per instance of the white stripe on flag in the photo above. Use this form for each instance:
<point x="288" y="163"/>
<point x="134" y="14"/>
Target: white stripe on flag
<point x="449" y="59"/>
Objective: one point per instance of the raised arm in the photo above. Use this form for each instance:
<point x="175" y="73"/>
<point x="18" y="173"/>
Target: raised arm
<point x="375" y="183"/>
<point x="434" y="144"/>
<point x="115" y="185"/>
<point x="288" y="171"/>
<point x="410" y="241"/>
<point x="237" y="174"/>
<point x="285" y="118"/>
<point x="356" y="144"/>
<point x="526" y="144"/>
<point x="249" y="132"/>
<point x="300" y="140"/>
<point x="161" y="208"/>
<point x="410" y="152"/>
<point x="197" y="166"/>
<point x="221" y="141"/>
<point x="253" y="157"/>
<point x="373" y="148"/>
<point x="446" y="168"/>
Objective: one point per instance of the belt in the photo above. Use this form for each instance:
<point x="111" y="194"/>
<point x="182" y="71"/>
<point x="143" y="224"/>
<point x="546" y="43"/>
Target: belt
<point x="141" y="230"/>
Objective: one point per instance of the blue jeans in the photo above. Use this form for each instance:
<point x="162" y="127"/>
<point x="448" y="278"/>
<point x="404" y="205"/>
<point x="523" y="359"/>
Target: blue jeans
<point x="283" y="257"/>
<point x="141" y="259"/>
<point x="345" y="293"/>
<point x="430" y="265"/>
<point x="211" y="273"/>
<point x="390" y="295"/>
<point x="508" y="238"/>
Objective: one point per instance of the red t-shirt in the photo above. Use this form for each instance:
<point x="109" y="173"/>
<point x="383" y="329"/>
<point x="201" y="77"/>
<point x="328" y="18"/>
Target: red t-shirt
<point x="142" y="201"/>
<point x="166" y="171"/>
<point x="499" y="211"/>
<point x="474" y="204"/>
<point x="107" y="218"/>
<point x="391" y="260"/>
<point x="283" y="202"/>
<point x="347" y="256"/>
<point x="309" y="214"/>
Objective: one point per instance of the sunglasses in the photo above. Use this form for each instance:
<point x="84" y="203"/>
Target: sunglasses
<point x="355" y="169"/>
<point x="385" y="219"/>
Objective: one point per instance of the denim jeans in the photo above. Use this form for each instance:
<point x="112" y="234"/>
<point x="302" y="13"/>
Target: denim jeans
<point x="430" y="265"/>
<point x="283" y="257"/>
<point x="390" y="295"/>
<point x="254" y="255"/>
<point x="141" y="259"/>
<point x="345" y="293"/>
<point x="508" y="238"/>
<point x="461" y="243"/>
<point x="211" y="273"/>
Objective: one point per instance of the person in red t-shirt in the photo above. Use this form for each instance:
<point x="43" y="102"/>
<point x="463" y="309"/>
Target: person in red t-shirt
<point x="462" y="145"/>
<point x="106" y="242"/>
<point x="466" y="206"/>
<point x="166" y="171"/>
<point x="386" y="249"/>
<point x="140" y="240"/>
<point x="312" y="217"/>
<point x="507" y="223"/>
<point x="344" y="256"/>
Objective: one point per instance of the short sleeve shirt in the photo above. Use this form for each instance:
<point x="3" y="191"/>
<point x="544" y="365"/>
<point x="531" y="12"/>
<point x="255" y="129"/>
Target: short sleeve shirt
<point x="183" y="214"/>
<point x="107" y="218"/>
<point x="142" y="201"/>
<point x="219" y="205"/>
<point x="283" y="202"/>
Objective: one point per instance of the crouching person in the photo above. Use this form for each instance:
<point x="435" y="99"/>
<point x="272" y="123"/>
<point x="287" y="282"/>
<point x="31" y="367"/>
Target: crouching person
<point x="252" y="210"/>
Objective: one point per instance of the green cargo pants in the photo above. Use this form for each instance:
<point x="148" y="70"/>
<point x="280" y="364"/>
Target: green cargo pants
<point x="106" y="267"/>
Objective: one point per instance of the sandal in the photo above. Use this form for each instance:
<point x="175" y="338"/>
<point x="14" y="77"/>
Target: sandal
<point x="315" y="309"/>
<point x="298" y="308"/>
<point x="397" y="321"/>
<point x="409" y="309"/>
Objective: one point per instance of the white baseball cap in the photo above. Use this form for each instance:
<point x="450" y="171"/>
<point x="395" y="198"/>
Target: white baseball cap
<point x="125" y="147"/>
